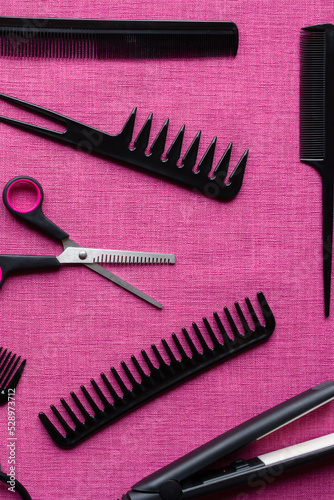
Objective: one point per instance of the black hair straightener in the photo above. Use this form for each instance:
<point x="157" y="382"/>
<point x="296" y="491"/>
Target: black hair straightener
<point x="184" y="480"/>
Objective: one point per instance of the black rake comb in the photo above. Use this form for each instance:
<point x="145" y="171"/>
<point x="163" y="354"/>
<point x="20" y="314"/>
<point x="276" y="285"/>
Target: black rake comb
<point x="110" y="39"/>
<point x="10" y="373"/>
<point x="120" y="148"/>
<point x="161" y="378"/>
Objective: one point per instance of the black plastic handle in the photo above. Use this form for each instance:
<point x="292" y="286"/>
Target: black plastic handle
<point x="12" y="263"/>
<point x="34" y="215"/>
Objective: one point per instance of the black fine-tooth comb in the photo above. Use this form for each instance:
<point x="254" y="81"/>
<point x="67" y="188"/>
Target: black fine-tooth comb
<point x="317" y="126"/>
<point x="161" y="378"/>
<point x="107" y="39"/>
<point x="10" y="373"/>
<point x="119" y="147"/>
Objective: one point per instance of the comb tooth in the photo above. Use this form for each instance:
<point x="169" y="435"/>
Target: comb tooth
<point x="71" y="413"/>
<point x="174" y="152"/>
<point x="242" y="318"/>
<point x="129" y="374"/>
<point x="240" y="168"/>
<point x="3" y="366"/>
<point x="139" y="369"/>
<point x="7" y="369"/>
<point x="61" y="419"/>
<point x="205" y="165"/>
<point x="270" y="321"/>
<point x="120" y="382"/>
<point x="1" y="359"/>
<point x="226" y="338"/>
<point x="90" y="400"/>
<point x="221" y="169"/>
<point x="189" y="159"/>
<point x="253" y="313"/>
<point x="158" y="355"/>
<point x="158" y="146"/>
<point x="110" y="388"/>
<point x="200" y="337"/>
<point x="51" y="429"/>
<point x="147" y="360"/>
<point x="179" y="347"/>
<point x="169" y="351"/>
<point x="213" y="337"/>
<point x="266" y="311"/>
<point x="190" y="342"/>
<point x="144" y="135"/>
<point x="233" y="326"/>
<point x="127" y="131"/>
<point x="100" y="393"/>
<point x="5" y="382"/>
<point x="81" y="407"/>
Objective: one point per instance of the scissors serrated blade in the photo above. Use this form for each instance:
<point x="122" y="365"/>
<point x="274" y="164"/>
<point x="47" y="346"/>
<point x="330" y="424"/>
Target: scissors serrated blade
<point x="93" y="256"/>
<point x="68" y="243"/>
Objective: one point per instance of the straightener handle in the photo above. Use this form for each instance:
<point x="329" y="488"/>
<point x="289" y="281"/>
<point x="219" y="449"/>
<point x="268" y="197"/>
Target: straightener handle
<point x="33" y="215"/>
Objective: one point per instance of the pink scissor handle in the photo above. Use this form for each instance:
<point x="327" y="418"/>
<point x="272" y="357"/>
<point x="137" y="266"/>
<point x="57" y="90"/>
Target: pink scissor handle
<point x="22" y="182"/>
<point x="34" y="214"/>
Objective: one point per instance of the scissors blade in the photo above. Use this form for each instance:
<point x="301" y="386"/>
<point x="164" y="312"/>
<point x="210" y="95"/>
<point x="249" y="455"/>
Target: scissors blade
<point x="68" y="243"/>
<point x="93" y="255"/>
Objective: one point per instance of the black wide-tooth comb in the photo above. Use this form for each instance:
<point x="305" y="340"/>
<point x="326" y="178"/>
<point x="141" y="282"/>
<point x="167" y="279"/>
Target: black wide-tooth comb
<point x="317" y="127"/>
<point x="109" y="39"/>
<point x="119" y="147"/>
<point x="10" y="373"/>
<point x="160" y="378"/>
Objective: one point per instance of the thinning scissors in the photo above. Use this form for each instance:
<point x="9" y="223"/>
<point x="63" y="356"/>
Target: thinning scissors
<point x="73" y="252"/>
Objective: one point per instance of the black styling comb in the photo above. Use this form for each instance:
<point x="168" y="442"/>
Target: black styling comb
<point x="317" y="126"/>
<point x="119" y="147"/>
<point x="107" y="39"/>
<point x="159" y="379"/>
<point x="10" y="373"/>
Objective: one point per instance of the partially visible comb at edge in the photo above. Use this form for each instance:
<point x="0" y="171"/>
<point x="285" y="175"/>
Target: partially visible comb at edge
<point x="108" y="39"/>
<point x="317" y="126"/>
<point x="160" y="378"/>
<point x="10" y="373"/>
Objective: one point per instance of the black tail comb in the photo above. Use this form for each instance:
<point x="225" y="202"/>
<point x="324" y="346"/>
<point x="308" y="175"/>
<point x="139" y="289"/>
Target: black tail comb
<point x="160" y="378"/>
<point x="120" y="147"/>
<point x="110" y="39"/>
<point x="10" y="373"/>
<point x="317" y="127"/>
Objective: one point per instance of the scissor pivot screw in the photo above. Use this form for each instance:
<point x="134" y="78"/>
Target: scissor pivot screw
<point x="83" y="255"/>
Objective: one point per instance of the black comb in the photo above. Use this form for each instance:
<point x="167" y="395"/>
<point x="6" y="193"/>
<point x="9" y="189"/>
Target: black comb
<point x="160" y="378"/>
<point x="10" y="373"/>
<point x="119" y="147"/>
<point x="317" y="126"/>
<point x="106" y="39"/>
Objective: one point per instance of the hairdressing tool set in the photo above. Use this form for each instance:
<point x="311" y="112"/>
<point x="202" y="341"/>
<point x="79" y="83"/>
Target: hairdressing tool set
<point x="317" y="126"/>
<point x="105" y="39"/>
<point x="10" y="373"/>
<point x="87" y="38"/>
<point x="185" y="478"/>
<point x="163" y="377"/>
<point x="73" y="253"/>
<point x="118" y="147"/>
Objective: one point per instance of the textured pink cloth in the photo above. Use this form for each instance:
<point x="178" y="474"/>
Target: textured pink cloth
<point x="72" y="325"/>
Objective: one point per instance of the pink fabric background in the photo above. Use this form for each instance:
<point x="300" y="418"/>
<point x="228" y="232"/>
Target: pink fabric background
<point x="73" y="324"/>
